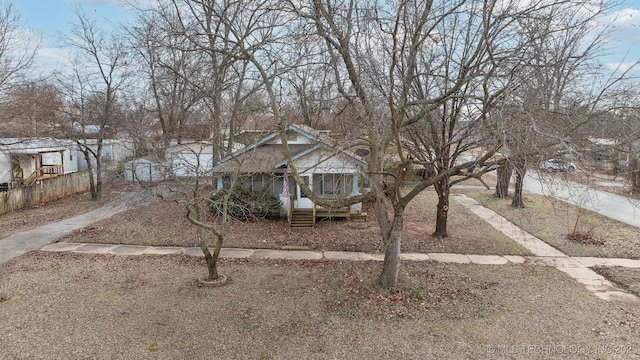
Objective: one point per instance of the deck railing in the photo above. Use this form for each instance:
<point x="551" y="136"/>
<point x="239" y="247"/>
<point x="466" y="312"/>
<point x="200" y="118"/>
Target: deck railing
<point x="49" y="171"/>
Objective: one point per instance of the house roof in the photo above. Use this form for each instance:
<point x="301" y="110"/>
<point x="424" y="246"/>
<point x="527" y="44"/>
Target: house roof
<point x="34" y="145"/>
<point x="262" y="156"/>
<point x="193" y="132"/>
<point x="259" y="160"/>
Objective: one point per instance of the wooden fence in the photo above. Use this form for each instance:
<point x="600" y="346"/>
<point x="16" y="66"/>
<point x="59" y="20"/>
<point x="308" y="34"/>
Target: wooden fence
<point x="44" y="191"/>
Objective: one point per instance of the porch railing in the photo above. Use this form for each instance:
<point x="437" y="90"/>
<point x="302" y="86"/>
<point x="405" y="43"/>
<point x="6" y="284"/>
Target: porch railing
<point x="49" y="171"/>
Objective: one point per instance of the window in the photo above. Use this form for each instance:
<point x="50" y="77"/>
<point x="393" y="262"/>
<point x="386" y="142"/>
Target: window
<point x="332" y="185"/>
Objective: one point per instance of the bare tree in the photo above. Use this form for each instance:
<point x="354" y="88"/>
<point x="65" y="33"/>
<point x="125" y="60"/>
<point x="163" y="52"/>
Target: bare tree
<point x="91" y="90"/>
<point x="221" y="79"/>
<point x="17" y="51"/>
<point x="557" y="94"/>
<point x="169" y="65"/>
<point x="34" y="108"/>
<point x="196" y="199"/>
<point x="191" y="50"/>
<point x="391" y="68"/>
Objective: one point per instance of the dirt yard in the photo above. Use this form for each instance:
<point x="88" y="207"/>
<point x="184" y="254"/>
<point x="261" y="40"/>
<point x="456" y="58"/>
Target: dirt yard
<point x="163" y="224"/>
<point x="107" y="307"/>
<point x="65" y="305"/>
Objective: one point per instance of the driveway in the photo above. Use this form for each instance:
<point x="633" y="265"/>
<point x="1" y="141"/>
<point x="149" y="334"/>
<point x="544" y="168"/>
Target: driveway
<point x="20" y="243"/>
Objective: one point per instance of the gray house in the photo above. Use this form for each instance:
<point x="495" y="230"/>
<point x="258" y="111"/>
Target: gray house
<point x="328" y="170"/>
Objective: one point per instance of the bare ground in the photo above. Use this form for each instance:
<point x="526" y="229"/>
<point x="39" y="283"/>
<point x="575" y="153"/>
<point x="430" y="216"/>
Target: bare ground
<point x="107" y="307"/>
<point x="163" y="224"/>
<point x="64" y="305"/>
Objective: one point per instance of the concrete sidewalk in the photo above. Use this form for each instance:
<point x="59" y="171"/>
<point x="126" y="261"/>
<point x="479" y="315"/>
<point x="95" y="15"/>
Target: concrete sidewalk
<point x="239" y="253"/>
<point x="577" y="268"/>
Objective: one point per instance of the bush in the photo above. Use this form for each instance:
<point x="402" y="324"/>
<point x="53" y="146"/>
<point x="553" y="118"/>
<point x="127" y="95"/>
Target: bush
<point x="245" y="204"/>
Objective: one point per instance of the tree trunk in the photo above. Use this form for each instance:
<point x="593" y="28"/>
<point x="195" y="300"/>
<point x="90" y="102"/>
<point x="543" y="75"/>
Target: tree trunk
<point x="92" y="180"/>
<point x="504" y="173"/>
<point x="98" y="188"/>
<point x="634" y="172"/>
<point x="521" y="169"/>
<point x="211" y="259"/>
<point x="442" y="212"/>
<point x="391" y="234"/>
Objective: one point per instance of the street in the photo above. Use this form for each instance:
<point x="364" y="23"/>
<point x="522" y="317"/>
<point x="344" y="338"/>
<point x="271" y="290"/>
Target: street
<point x="614" y="206"/>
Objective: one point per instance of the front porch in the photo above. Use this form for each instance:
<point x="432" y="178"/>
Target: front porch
<point x="308" y="217"/>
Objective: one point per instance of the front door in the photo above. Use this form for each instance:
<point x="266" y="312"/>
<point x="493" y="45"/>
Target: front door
<point x="302" y="201"/>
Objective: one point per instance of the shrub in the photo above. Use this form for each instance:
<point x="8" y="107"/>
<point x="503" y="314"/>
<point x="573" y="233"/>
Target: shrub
<point x="245" y="204"/>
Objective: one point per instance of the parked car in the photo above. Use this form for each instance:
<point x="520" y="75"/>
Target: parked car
<point x="552" y="165"/>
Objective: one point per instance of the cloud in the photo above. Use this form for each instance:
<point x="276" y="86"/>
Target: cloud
<point x="621" y="67"/>
<point x="626" y="25"/>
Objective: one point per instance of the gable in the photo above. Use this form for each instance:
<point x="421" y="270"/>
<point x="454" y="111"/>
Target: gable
<point x="309" y="148"/>
<point x="323" y="160"/>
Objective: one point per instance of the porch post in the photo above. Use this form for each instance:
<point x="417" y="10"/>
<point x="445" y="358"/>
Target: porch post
<point x="354" y="185"/>
<point x="220" y="183"/>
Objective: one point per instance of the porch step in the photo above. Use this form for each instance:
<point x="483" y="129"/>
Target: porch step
<point x="302" y="218"/>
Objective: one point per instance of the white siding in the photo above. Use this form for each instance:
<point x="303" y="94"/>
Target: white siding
<point x="325" y="162"/>
<point x="70" y="161"/>
<point x="189" y="164"/>
<point x="144" y="170"/>
<point x="5" y="168"/>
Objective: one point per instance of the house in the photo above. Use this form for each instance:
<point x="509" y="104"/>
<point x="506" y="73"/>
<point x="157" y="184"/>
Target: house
<point x="27" y="160"/>
<point x="329" y="171"/>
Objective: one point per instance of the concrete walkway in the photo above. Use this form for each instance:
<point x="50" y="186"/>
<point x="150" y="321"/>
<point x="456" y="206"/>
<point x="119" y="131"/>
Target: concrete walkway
<point x="577" y="268"/>
<point x="238" y="253"/>
<point x="17" y="244"/>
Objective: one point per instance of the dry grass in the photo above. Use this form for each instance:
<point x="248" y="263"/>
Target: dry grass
<point x="626" y="278"/>
<point x="65" y="305"/>
<point x="109" y="307"/>
<point x="163" y="224"/>
<point x="551" y="220"/>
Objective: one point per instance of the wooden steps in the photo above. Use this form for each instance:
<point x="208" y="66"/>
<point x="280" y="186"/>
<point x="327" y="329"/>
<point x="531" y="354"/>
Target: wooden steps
<point x="306" y="218"/>
<point x="302" y="218"/>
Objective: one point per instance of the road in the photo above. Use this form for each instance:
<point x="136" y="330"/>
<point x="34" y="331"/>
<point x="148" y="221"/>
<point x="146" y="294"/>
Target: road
<point x="614" y="206"/>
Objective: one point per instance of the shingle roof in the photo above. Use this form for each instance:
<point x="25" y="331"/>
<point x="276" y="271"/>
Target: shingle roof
<point x="259" y="160"/>
<point x="263" y="157"/>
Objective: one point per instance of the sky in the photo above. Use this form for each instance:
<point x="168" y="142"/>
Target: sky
<point x="50" y="18"/>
